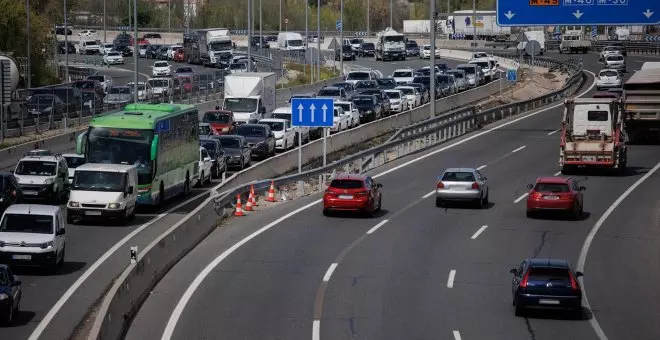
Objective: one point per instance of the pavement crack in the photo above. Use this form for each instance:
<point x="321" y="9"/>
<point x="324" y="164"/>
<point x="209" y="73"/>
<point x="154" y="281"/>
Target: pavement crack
<point x="531" y="332"/>
<point x="351" y="325"/>
<point x="538" y="249"/>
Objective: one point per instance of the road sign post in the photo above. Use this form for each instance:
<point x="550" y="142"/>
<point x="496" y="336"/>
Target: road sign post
<point x="577" y="12"/>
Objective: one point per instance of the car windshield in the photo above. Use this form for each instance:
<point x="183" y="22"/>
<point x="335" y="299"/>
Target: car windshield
<point x="482" y="64"/>
<point x="184" y="70"/>
<point x="99" y="78"/>
<point x="444" y="79"/>
<point x="251" y="131"/>
<point x="551" y="187"/>
<point x="36" y="168"/>
<point x="275" y="126"/>
<point x="393" y="94"/>
<point x="468" y="70"/>
<point x="158" y="82"/>
<point x="204" y="130"/>
<point x="345" y="106"/>
<point x="286" y="116"/>
<point x="366" y="85"/>
<point x="363" y="100"/>
<point x="458" y="75"/>
<point x="402" y="74"/>
<point x="161" y="64"/>
<point x="386" y="82"/>
<point x="458" y="176"/>
<point x="411" y="45"/>
<point x="209" y="145"/>
<point x="356" y="41"/>
<point x="368" y="46"/>
<point x="422" y="80"/>
<point x="241" y="104"/>
<point x="230" y="143"/>
<point x="329" y="92"/>
<point x="74" y="162"/>
<point x="346" y="184"/>
<point x="120" y="90"/>
<point x="358" y="76"/>
<point x="113" y="54"/>
<point x="215" y="117"/>
<point x="546" y="274"/>
<point x="608" y="73"/>
<point x="238" y="66"/>
<point x="616" y="57"/>
<point x="99" y="181"/>
<point x="406" y="90"/>
<point x="27" y="223"/>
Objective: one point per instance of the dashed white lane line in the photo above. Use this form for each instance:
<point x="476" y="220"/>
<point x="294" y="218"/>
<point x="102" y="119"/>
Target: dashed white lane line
<point x="522" y="197"/>
<point x="328" y="273"/>
<point x="372" y="230"/>
<point x="518" y="149"/>
<point x="316" y="330"/>
<point x="481" y="167"/>
<point x="481" y="230"/>
<point x="553" y="132"/>
<point x="429" y="194"/>
<point x="457" y="335"/>
<point x="557" y="173"/>
<point x="450" y="279"/>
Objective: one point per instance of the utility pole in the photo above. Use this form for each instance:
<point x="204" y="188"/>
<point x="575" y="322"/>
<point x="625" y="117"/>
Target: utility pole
<point x="391" y="10"/>
<point x="432" y="59"/>
<point x="136" y="52"/>
<point x="249" y="54"/>
<point x="448" y="11"/>
<point x="169" y="16"/>
<point x="341" y="38"/>
<point x="129" y="16"/>
<point x="66" y="44"/>
<point x="318" y="41"/>
<point x="308" y="51"/>
<point x="105" y="32"/>
<point x="261" y="28"/>
<point x="28" y="75"/>
<point x="368" y="19"/>
<point x="280" y="22"/>
<point x="474" y="26"/>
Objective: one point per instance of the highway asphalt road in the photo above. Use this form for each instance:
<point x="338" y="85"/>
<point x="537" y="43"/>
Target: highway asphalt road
<point x="82" y="279"/>
<point x="420" y="272"/>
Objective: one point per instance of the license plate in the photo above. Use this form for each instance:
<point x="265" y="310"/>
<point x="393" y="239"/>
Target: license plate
<point x="29" y="192"/>
<point x="551" y="197"/>
<point x="589" y="158"/>
<point x="93" y="213"/>
<point x="346" y="197"/>
<point x="22" y="257"/>
<point x="548" y="302"/>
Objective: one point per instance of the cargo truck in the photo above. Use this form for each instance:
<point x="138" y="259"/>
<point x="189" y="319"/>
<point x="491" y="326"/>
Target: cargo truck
<point x="593" y="135"/>
<point x="208" y="47"/>
<point x="249" y="95"/>
<point x="390" y="45"/>
<point x="641" y="105"/>
<point x="574" y="41"/>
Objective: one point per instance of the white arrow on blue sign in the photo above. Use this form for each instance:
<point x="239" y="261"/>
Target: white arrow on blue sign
<point x="312" y="112"/>
<point x="338" y="24"/>
<point x="577" y="12"/>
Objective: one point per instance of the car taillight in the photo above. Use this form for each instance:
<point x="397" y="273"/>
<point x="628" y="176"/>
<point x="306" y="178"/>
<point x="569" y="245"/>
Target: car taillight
<point x="536" y="195"/>
<point x="574" y="285"/>
<point x="330" y="193"/>
<point x="440" y="185"/>
<point x="523" y="283"/>
<point x="362" y="193"/>
<point x="475" y="185"/>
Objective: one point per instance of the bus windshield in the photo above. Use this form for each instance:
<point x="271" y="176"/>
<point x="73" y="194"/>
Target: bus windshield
<point x="121" y="146"/>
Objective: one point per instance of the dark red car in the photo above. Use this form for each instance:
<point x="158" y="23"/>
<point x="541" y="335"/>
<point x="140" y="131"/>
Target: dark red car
<point x="555" y="194"/>
<point x="179" y="55"/>
<point x="352" y="192"/>
<point x="90" y="85"/>
<point x="186" y="83"/>
<point x="221" y="122"/>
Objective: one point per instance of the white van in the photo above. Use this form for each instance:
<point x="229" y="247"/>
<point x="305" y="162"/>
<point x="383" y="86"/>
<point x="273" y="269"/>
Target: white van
<point x="290" y="41"/>
<point x="103" y="191"/>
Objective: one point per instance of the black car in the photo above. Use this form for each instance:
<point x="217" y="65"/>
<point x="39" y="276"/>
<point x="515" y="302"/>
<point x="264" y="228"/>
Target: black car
<point x="443" y="67"/>
<point x="346" y="51"/>
<point x="152" y="51"/>
<point x="386" y="83"/>
<point x="236" y="149"/>
<point x="123" y="39"/>
<point x="546" y="283"/>
<point x="382" y="97"/>
<point x="10" y="191"/>
<point x="61" y="50"/>
<point x="363" y="85"/>
<point x="424" y="80"/>
<point x="349" y="88"/>
<point x="369" y="107"/>
<point x="162" y="53"/>
<point x="10" y="288"/>
<point x="217" y="154"/>
<point x="46" y="104"/>
<point x="260" y="138"/>
<point x="424" y="71"/>
<point x="366" y="50"/>
<point x="60" y="29"/>
<point x="412" y="49"/>
<point x="257" y="41"/>
<point x="125" y="50"/>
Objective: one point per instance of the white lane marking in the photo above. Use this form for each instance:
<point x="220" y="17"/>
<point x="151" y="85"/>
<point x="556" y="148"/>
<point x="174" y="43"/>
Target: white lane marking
<point x="557" y="173"/>
<point x="590" y="238"/>
<point x="373" y="230"/>
<point x="429" y="194"/>
<point x="457" y="335"/>
<point x="185" y="298"/>
<point x="316" y="330"/>
<point x="553" y="132"/>
<point x="81" y="280"/>
<point x="328" y="273"/>
<point x="187" y="295"/>
<point x="481" y="230"/>
<point x="481" y="167"/>
<point x="495" y="128"/>
<point x="450" y="279"/>
<point x="522" y="197"/>
<point x="518" y="149"/>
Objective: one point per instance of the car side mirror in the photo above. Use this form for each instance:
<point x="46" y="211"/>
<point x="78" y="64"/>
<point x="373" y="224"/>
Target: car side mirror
<point x="514" y="271"/>
<point x="62" y="231"/>
<point x="130" y="190"/>
<point x="17" y="281"/>
<point x="529" y="186"/>
<point x="207" y="159"/>
<point x="578" y="274"/>
<point x="583" y="188"/>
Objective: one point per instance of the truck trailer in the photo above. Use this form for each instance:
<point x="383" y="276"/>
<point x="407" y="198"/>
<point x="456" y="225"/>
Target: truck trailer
<point x="483" y="23"/>
<point x="249" y="95"/>
<point x="641" y="105"/>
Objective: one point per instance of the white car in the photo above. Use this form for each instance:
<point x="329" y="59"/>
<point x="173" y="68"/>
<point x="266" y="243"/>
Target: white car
<point x="340" y="120"/>
<point x="365" y="74"/>
<point x="171" y="50"/>
<point x="161" y="69"/>
<point x="425" y="52"/>
<point x="106" y="48"/>
<point x="105" y="80"/>
<point x="44" y="177"/>
<point x="33" y="235"/>
<point x="403" y="76"/>
<point x="398" y="101"/>
<point x="113" y="58"/>
<point x="142" y="51"/>
<point x="285" y="135"/>
<point x="608" y="79"/>
<point x="205" y="167"/>
<point x="608" y="51"/>
<point x="145" y="91"/>
<point x="351" y="110"/>
<point x="413" y="95"/>
<point x="160" y="86"/>
<point x="89" y="47"/>
<point x="615" y="62"/>
<point x="285" y="113"/>
<point x="88" y="33"/>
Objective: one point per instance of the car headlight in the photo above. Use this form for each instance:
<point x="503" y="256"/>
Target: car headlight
<point x="48" y="181"/>
<point x="4" y="296"/>
<point x="73" y="204"/>
<point x="46" y="245"/>
<point x="114" y="206"/>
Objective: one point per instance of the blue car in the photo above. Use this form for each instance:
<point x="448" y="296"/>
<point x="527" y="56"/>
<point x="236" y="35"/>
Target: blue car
<point x="10" y="295"/>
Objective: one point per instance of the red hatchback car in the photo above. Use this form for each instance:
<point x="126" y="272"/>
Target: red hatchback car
<point x="352" y="192"/>
<point x="555" y="194"/>
<point x="221" y="121"/>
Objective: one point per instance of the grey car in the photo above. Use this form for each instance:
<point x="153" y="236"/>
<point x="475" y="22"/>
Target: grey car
<point x="462" y="185"/>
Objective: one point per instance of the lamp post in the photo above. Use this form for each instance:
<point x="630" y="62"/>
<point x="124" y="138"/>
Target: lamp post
<point x="391" y="10"/>
<point x="280" y="22"/>
<point x="308" y="52"/>
<point x="318" y="46"/>
<point x="474" y="26"/>
<point x="261" y="29"/>
<point x="368" y="19"/>
<point x="136" y="51"/>
<point x="66" y="44"/>
<point x="249" y="48"/>
<point x="432" y="59"/>
<point x="28" y="75"/>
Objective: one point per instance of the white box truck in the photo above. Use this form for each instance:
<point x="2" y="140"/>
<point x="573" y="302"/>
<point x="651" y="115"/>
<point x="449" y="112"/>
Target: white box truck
<point x="290" y="41"/>
<point x="249" y="95"/>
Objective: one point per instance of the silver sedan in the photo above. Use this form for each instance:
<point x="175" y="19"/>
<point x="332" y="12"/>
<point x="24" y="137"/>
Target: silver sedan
<point x="462" y="185"/>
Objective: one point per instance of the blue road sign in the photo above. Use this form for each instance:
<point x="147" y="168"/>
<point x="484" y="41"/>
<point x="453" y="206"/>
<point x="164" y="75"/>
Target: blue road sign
<point x="511" y="75"/>
<point x="312" y="112"/>
<point x="577" y="12"/>
<point x="338" y="25"/>
<point x="163" y="125"/>
<point x="594" y="31"/>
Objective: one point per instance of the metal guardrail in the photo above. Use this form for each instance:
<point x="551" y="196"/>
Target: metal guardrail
<point x="633" y="47"/>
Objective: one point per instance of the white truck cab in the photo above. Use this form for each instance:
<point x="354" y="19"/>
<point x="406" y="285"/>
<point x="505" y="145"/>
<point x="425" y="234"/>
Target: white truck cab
<point x="43" y="176"/>
<point x="591" y="120"/>
<point x="103" y="191"/>
<point x="33" y="235"/>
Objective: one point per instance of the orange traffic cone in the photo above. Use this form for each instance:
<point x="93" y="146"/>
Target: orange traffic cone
<point x="271" y="193"/>
<point x="248" y="204"/>
<point x="239" y="206"/>
<point x="253" y="196"/>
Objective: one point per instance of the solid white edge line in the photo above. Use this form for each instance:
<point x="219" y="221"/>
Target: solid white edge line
<point x="372" y="230"/>
<point x="328" y="273"/>
<point x="316" y="330"/>
<point x="481" y="167"/>
<point x="457" y="335"/>
<point x="553" y="132"/>
<point x="478" y="232"/>
<point x="450" y="279"/>
<point x="522" y="197"/>
<point x="187" y="295"/>
<point x="429" y="194"/>
<point x="590" y="238"/>
<point x="178" y="310"/>
<point x="518" y="149"/>
<point x="36" y="333"/>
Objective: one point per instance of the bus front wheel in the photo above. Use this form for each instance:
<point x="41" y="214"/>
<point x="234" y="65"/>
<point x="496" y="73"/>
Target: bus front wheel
<point x="161" y="196"/>
<point x="186" y="185"/>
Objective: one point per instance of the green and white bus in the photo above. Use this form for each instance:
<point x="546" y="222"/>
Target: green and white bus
<point x="161" y="140"/>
